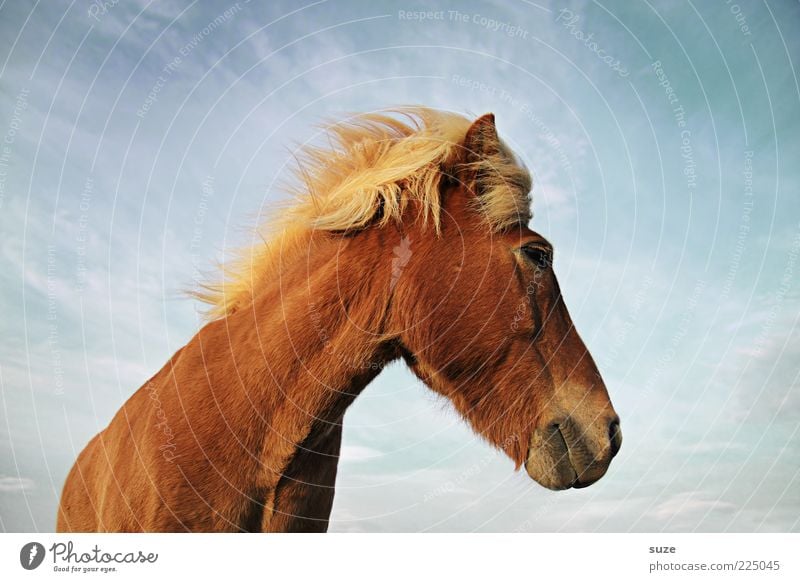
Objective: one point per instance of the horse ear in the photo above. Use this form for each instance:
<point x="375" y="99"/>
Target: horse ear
<point x="481" y="139"/>
<point x="480" y="142"/>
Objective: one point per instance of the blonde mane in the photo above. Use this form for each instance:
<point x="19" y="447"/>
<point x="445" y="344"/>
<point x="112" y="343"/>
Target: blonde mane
<point x="373" y="166"/>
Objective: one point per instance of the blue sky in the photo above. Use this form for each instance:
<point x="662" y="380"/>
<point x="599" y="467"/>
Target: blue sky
<point x="139" y="141"/>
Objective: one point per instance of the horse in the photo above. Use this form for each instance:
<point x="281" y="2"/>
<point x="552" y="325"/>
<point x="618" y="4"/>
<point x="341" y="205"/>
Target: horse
<point x="405" y="237"/>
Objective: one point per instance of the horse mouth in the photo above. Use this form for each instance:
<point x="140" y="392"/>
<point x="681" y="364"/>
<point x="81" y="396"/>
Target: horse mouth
<point x="560" y="457"/>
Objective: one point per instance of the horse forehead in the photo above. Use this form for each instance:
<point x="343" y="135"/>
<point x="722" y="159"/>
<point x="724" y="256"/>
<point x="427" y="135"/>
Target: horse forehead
<point x="520" y="236"/>
<point x="531" y="236"/>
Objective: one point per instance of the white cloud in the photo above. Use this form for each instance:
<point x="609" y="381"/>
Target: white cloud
<point x="356" y="453"/>
<point x="13" y="484"/>
<point x="688" y="507"/>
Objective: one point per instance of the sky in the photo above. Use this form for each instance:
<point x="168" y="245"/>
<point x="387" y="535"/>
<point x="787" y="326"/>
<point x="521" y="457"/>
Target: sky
<point x="140" y="141"/>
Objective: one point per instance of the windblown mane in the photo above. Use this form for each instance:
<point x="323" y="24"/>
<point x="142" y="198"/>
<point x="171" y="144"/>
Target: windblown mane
<point x="373" y="165"/>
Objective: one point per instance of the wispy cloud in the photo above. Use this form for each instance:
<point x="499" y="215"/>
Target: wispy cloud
<point x="694" y="377"/>
<point x="684" y="508"/>
<point x="15" y="484"/>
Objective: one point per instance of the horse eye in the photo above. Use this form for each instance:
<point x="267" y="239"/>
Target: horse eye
<point x="538" y="256"/>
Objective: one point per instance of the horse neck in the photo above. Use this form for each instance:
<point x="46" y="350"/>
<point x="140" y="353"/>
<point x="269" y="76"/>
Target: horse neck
<point x="320" y="323"/>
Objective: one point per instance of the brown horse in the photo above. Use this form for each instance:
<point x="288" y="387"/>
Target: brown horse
<point x="407" y="239"/>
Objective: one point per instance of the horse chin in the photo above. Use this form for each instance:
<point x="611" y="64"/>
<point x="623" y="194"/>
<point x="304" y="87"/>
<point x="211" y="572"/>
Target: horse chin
<point x="548" y="462"/>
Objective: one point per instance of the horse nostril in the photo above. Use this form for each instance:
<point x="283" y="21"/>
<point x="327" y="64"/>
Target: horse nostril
<point x="614" y="436"/>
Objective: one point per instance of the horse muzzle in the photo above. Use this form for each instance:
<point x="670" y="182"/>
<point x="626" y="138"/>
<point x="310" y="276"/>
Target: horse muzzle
<point x="562" y="454"/>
